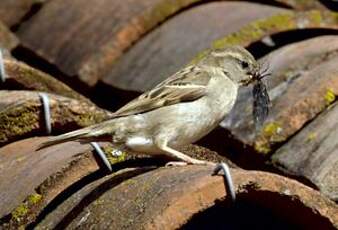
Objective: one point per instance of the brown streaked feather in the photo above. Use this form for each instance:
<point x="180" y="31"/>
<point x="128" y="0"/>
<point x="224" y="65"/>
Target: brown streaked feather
<point x="186" y="85"/>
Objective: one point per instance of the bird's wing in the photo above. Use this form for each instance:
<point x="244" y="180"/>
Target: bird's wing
<point x="186" y="85"/>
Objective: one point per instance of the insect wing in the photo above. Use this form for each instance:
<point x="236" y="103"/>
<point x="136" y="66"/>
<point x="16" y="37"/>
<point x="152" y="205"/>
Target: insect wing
<point x="261" y="103"/>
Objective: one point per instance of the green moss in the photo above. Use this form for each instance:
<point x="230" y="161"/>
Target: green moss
<point x="130" y="182"/>
<point x="114" y="160"/>
<point x="83" y="115"/>
<point x="162" y="10"/>
<point x="312" y="136"/>
<point x="301" y="4"/>
<point x="277" y="23"/>
<point x="271" y="129"/>
<point x="23" y="209"/>
<point x="255" y="31"/>
<point x="22" y="119"/>
<point x="249" y="186"/>
<point x="98" y="202"/>
<point x="199" y="56"/>
<point x="36" y="80"/>
<point x="316" y="17"/>
<point x="34" y="198"/>
<point x="20" y="212"/>
<point x="329" y="97"/>
<point x="17" y="121"/>
<point x="87" y="119"/>
<point x="262" y="147"/>
<point x="258" y="29"/>
<point x="271" y="132"/>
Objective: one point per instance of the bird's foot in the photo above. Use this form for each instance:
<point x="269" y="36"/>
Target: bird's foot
<point x="176" y="164"/>
<point x="193" y="162"/>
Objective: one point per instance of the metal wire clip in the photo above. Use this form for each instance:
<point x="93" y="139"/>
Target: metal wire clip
<point x="101" y="154"/>
<point x="229" y="186"/>
<point x="2" y="68"/>
<point x="46" y="111"/>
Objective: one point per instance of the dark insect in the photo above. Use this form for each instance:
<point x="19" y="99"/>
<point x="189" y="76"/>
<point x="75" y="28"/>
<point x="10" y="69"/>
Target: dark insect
<point x="261" y="101"/>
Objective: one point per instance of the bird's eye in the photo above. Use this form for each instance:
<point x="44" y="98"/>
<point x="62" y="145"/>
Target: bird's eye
<point x="244" y="64"/>
<point x="225" y="73"/>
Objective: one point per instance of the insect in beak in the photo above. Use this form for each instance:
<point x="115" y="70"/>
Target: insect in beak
<point x="261" y="100"/>
<point x="262" y="72"/>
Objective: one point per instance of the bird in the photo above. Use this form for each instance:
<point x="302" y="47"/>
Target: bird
<point x="178" y="111"/>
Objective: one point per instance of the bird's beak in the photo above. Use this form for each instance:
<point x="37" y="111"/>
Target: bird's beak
<point x="256" y="76"/>
<point x="253" y="78"/>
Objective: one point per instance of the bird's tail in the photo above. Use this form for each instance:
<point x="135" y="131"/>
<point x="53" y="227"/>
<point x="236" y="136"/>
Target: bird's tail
<point x="88" y="134"/>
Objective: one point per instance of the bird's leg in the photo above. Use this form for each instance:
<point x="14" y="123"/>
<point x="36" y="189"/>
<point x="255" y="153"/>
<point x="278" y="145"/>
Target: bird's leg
<point x="184" y="159"/>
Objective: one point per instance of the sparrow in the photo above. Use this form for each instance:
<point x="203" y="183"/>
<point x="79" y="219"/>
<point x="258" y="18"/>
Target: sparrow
<point x="180" y="110"/>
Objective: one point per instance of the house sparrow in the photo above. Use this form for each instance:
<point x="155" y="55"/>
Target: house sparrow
<point x="179" y="111"/>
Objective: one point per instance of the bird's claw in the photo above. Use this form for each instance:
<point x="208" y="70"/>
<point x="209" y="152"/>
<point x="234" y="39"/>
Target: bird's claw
<point x="183" y="163"/>
<point x="175" y="164"/>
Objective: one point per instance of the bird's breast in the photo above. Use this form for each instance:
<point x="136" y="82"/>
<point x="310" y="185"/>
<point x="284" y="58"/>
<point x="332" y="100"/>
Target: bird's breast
<point x="186" y="122"/>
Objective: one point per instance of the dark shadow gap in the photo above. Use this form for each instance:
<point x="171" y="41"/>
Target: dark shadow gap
<point x="34" y="60"/>
<point x="242" y="215"/>
<point x="331" y="4"/>
<point x="109" y="97"/>
<point x="258" y="210"/>
<point x="103" y="95"/>
<point x="223" y="142"/>
<point x="35" y="8"/>
<point x="260" y="49"/>
<point x="269" y="3"/>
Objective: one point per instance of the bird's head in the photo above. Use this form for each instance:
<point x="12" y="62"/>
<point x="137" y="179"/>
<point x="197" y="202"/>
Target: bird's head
<point x="241" y="67"/>
<point x="236" y="63"/>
